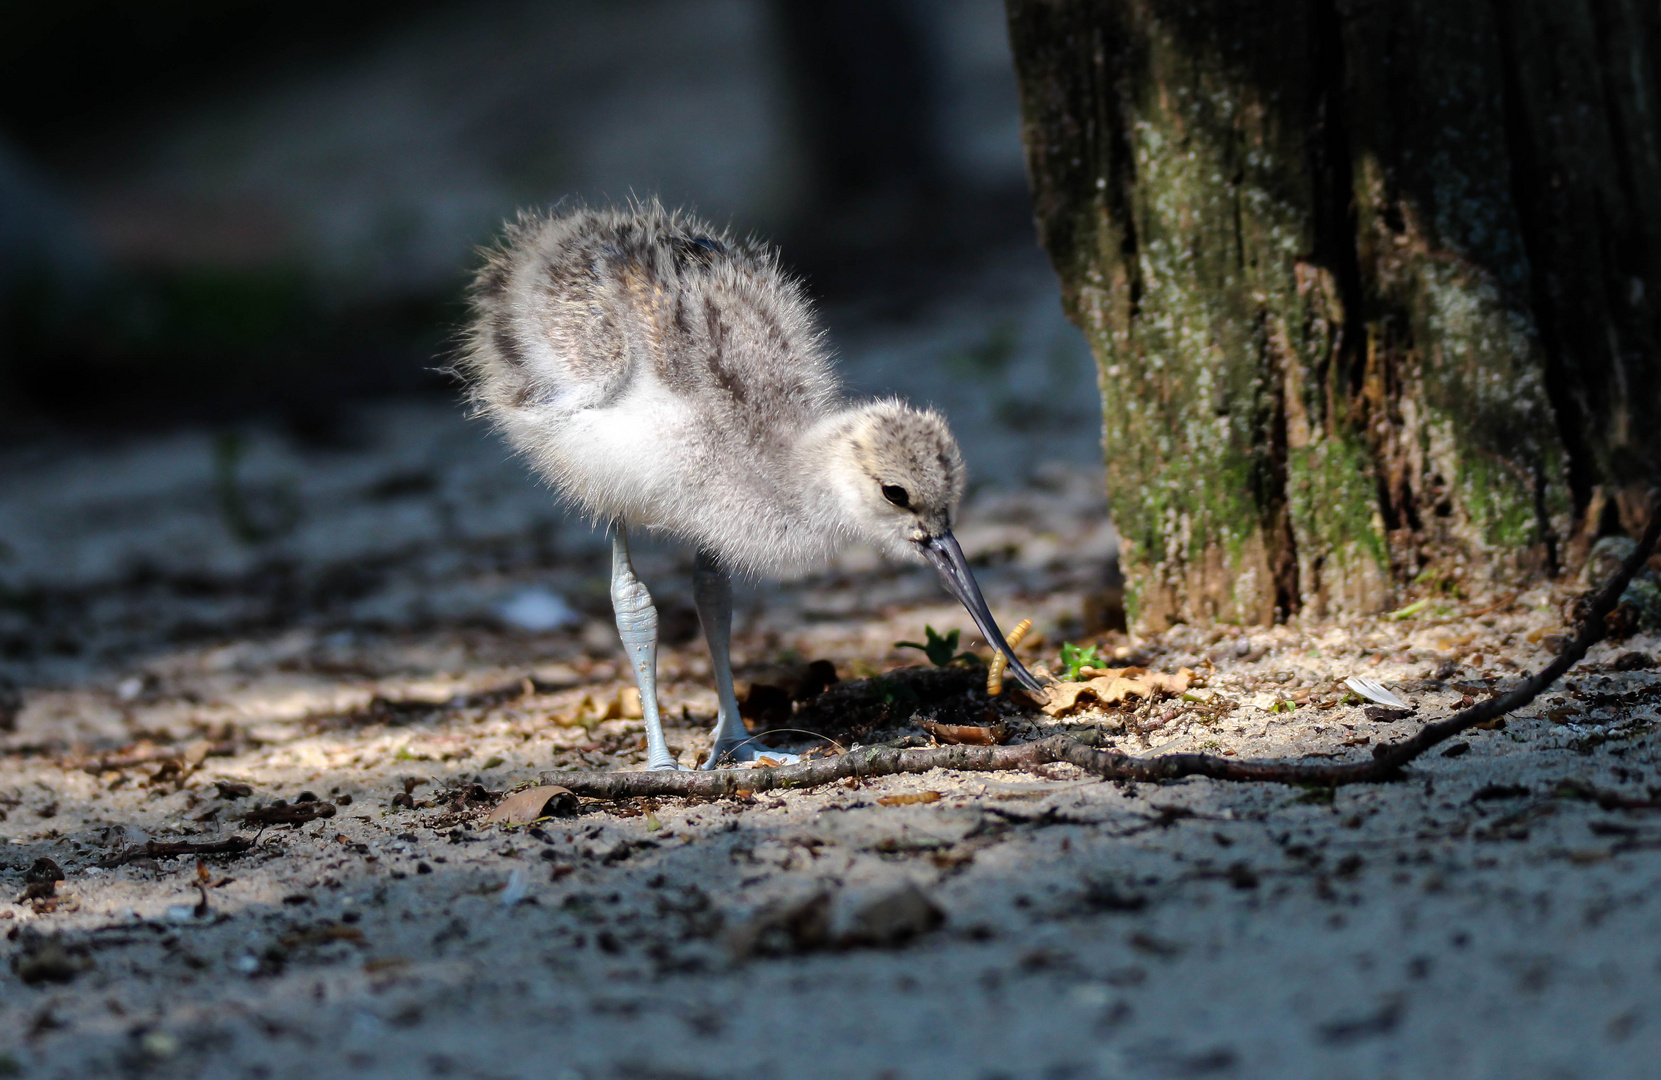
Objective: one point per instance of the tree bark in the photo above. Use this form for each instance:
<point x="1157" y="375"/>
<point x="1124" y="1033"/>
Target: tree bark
<point x="1371" y="286"/>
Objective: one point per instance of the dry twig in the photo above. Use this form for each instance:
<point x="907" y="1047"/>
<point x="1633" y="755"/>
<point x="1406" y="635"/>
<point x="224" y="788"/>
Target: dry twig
<point x="281" y="813"/>
<point x="1386" y="762"/>
<point x="236" y="845"/>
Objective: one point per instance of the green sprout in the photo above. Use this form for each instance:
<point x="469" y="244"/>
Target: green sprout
<point x="1316" y="795"/>
<point x="1410" y="610"/>
<point x="1075" y="659"/>
<point x="941" y="651"/>
<point x="895" y="692"/>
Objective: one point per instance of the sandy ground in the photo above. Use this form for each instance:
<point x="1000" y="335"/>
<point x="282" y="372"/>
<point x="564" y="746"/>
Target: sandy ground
<point x="1483" y="917"/>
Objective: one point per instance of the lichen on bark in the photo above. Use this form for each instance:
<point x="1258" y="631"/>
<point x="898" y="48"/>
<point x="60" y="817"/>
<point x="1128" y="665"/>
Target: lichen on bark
<point x="1292" y="236"/>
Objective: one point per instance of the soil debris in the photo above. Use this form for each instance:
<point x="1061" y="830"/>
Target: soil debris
<point x="285" y="813"/>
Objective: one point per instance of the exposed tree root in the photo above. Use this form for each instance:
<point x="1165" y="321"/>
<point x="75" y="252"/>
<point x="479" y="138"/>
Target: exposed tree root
<point x="1386" y="762"/>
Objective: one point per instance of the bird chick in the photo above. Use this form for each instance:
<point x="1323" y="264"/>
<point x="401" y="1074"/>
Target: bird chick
<point x="662" y="375"/>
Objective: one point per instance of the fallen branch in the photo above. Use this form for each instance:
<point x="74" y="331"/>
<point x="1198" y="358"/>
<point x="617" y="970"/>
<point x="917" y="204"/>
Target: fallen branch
<point x="866" y="762"/>
<point x="236" y="845"/>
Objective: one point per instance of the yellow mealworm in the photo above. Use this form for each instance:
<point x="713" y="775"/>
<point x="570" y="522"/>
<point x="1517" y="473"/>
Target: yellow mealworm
<point x="995" y="671"/>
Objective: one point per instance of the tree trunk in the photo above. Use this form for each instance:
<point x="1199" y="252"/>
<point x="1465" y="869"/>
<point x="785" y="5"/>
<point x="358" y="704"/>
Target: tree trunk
<point x="1372" y="286"/>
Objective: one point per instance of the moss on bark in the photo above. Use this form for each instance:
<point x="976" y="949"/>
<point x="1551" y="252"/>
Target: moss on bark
<point x="1291" y="233"/>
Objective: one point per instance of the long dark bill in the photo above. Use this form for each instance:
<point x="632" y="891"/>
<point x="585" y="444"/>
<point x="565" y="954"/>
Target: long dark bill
<point x="947" y="558"/>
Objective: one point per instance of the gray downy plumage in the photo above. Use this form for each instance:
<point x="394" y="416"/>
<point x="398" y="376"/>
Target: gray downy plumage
<point x="661" y="374"/>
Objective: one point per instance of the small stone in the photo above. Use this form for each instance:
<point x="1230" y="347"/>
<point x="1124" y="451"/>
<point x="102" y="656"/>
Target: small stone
<point x="894" y="917"/>
<point x="780" y="929"/>
<point x="159" y="1044"/>
<point x="44" y="959"/>
<point x="43" y="870"/>
<point x="11" y="704"/>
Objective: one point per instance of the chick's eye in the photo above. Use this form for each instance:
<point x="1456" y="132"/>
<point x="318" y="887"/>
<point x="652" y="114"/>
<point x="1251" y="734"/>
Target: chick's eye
<point x="896" y="494"/>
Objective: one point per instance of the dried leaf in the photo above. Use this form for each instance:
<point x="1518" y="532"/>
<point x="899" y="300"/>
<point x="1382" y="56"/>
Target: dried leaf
<point x="585" y="712"/>
<point x="624" y="705"/>
<point x="965" y="734"/>
<point x="911" y="799"/>
<point x="549" y="800"/>
<point x="1112" y="685"/>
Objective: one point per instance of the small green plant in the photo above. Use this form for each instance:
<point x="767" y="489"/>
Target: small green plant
<point x="895" y="692"/>
<point x="1316" y="795"/>
<point x="1075" y="659"/>
<point x="1410" y="610"/>
<point x="990" y="358"/>
<point x="238" y="508"/>
<point x="941" y="650"/>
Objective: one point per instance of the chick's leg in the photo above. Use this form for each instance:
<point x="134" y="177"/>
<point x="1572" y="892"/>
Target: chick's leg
<point x="712" y="592"/>
<point x="637" y="626"/>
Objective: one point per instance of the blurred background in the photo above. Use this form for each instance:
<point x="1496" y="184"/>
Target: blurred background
<point x="234" y="238"/>
<point x="260" y="208"/>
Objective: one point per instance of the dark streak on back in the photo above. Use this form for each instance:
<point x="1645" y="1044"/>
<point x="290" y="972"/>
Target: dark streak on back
<point x="724" y="377"/>
<point x="492" y="282"/>
<point x="507" y="345"/>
